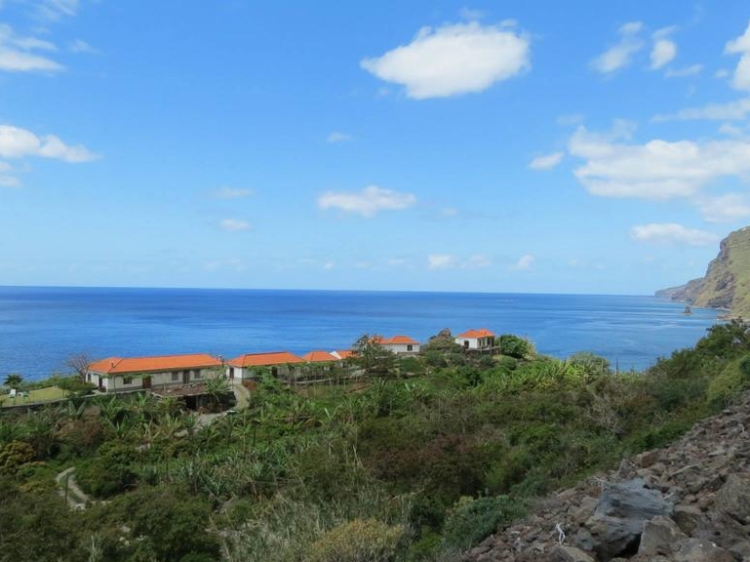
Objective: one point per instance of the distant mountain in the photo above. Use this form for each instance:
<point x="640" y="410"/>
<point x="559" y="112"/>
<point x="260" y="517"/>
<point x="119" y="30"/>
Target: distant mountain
<point x="727" y="280"/>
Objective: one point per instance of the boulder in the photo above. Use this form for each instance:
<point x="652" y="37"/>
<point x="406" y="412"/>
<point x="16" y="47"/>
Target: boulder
<point x="660" y="536"/>
<point x="734" y="497"/>
<point x="569" y="554"/>
<point x="697" y="550"/>
<point x="687" y="517"/>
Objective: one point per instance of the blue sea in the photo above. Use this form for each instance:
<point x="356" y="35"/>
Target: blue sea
<point x="42" y="326"/>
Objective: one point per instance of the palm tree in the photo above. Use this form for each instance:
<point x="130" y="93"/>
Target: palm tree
<point x="13" y="380"/>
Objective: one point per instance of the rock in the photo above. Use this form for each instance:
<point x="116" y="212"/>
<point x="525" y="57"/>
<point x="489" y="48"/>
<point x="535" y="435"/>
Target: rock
<point x="585" y="509"/>
<point x="697" y="550"/>
<point x="734" y="497"/>
<point x="660" y="536"/>
<point x="687" y="517"/>
<point x="632" y="500"/>
<point x="647" y="459"/>
<point x="569" y="554"/>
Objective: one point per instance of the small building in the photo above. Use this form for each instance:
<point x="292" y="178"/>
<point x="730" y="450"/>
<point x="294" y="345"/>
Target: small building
<point x="117" y="374"/>
<point x="279" y="363"/>
<point x="400" y="345"/>
<point x="476" y="339"/>
<point x="342" y="354"/>
<point x="320" y="357"/>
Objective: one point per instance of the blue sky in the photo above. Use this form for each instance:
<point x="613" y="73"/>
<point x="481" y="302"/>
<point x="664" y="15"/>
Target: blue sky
<point x="510" y="147"/>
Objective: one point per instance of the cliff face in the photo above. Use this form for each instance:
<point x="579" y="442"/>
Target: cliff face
<point x="727" y="280"/>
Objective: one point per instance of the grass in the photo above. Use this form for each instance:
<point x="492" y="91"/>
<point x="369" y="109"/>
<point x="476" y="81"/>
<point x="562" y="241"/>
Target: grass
<point x="37" y="395"/>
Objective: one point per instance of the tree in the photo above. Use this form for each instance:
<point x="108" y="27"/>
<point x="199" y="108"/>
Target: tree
<point x="80" y="363"/>
<point x="13" y="380"/>
<point x="372" y="357"/>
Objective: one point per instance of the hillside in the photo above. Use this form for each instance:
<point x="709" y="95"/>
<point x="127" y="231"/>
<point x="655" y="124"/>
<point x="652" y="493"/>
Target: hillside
<point x="727" y="280"/>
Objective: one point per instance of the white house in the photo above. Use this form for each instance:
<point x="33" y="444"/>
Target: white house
<point x="248" y="366"/>
<point x="400" y="345"/>
<point x="476" y="339"/>
<point x="117" y="374"/>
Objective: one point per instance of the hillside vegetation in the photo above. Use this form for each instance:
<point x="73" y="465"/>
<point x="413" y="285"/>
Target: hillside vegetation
<point x="421" y="459"/>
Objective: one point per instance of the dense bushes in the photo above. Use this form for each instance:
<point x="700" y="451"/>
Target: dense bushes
<point x="473" y="520"/>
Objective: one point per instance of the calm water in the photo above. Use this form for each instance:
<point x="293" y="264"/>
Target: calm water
<point x="41" y="327"/>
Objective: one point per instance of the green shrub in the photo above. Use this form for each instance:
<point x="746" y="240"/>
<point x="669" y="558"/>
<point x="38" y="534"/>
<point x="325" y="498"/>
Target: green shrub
<point x="471" y="521"/>
<point x="110" y="472"/>
<point x="359" y="540"/>
<point x="514" y="346"/>
<point x="732" y="380"/>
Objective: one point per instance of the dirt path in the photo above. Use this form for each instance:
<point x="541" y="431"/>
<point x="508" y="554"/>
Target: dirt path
<point x="68" y="489"/>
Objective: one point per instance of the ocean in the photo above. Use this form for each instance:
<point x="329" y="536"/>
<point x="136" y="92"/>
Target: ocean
<point x="40" y="327"/>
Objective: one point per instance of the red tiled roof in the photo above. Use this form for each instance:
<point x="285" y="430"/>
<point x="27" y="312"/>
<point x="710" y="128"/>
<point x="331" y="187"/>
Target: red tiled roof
<point x="265" y="359"/>
<point x="343" y="353"/>
<point x="117" y="365"/>
<point x="399" y="340"/>
<point x="319" y="357"/>
<point x="476" y="334"/>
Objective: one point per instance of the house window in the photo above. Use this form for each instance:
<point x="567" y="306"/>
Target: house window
<point x="409" y="347"/>
<point x="127" y="380"/>
<point x="197" y="374"/>
<point x="175" y="376"/>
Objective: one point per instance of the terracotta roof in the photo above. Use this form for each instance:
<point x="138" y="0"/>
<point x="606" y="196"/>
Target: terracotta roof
<point x="265" y="359"/>
<point x="343" y="353"/>
<point x="117" y="365"/>
<point x="476" y="334"/>
<point x="319" y="357"/>
<point x="399" y="340"/>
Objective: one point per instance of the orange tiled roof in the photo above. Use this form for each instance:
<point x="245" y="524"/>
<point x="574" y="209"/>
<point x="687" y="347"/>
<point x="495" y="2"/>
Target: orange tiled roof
<point x="400" y="340"/>
<point x="117" y="365"/>
<point x="343" y="353"/>
<point x="265" y="359"/>
<point x="476" y="334"/>
<point x="319" y="357"/>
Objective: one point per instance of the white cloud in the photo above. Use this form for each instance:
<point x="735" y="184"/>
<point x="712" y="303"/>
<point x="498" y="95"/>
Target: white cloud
<point x="619" y="56"/>
<point x="658" y="169"/>
<point x="338" y="136"/>
<point x="692" y="70"/>
<point x="741" y="46"/>
<point x="478" y="261"/>
<point x="731" y="130"/>
<point x="17" y="143"/>
<point x="6" y="176"/>
<point x="19" y="54"/>
<point x="80" y="46"/>
<point x="662" y="53"/>
<point x="441" y="261"/>
<point x="56" y="9"/>
<point x="671" y="233"/>
<point x="546" y="162"/>
<point x="235" y="225"/>
<point x="233" y="193"/>
<point x="470" y="14"/>
<point x="729" y="207"/>
<point x="731" y="111"/>
<point x="453" y="59"/>
<point x="367" y="202"/>
<point x="523" y="263"/>
<point x="722" y="73"/>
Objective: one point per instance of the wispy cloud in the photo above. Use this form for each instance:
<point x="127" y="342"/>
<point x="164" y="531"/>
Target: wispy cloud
<point x="741" y="46"/>
<point x="81" y="46"/>
<point x="546" y="162"/>
<point x="235" y="225"/>
<point x="56" y="9"/>
<point x="232" y="193"/>
<point x="453" y="59"/>
<point x="672" y="233"/>
<point x="736" y="110"/>
<point x="367" y="202"/>
<point x="662" y="53"/>
<point x="729" y="207"/>
<point x="684" y="72"/>
<point x="338" y="136"/>
<point x="21" y="53"/>
<point x="441" y="261"/>
<point x="620" y="55"/>
<point x="523" y="263"/>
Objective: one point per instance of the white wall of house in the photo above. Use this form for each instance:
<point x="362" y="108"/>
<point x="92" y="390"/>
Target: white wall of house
<point x="401" y="348"/>
<point x="250" y="373"/>
<point x="475" y="343"/>
<point x="124" y="382"/>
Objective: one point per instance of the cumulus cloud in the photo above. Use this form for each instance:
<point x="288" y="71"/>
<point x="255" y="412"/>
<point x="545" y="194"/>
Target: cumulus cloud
<point x="729" y="207"/>
<point x="441" y="261"/>
<point x="546" y="162"/>
<point x="657" y="169"/>
<point x="21" y="54"/>
<point x="453" y="59"/>
<point x="235" y="225"/>
<point x="523" y="263"/>
<point x="338" y="136"/>
<point x="620" y="55"/>
<point x="662" y="53"/>
<point x="367" y="202"/>
<point x="741" y="46"/>
<point x="233" y="193"/>
<point x="731" y="111"/>
<point x="18" y="143"/>
<point x="672" y="233"/>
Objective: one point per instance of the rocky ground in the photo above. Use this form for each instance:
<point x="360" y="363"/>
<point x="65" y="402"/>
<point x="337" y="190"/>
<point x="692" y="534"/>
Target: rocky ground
<point x="689" y="502"/>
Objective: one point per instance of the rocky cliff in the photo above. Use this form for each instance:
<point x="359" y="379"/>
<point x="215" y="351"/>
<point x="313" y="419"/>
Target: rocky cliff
<point x="727" y="280"/>
<point x="689" y="502"/>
